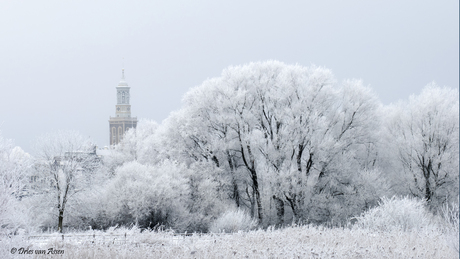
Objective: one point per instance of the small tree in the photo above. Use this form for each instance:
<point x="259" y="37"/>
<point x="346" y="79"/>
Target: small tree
<point x="425" y="136"/>
<point x="14" y="166"/>
<point x="65" y="161"/>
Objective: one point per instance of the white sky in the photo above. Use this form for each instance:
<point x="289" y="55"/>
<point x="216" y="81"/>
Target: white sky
<point x="60" y="61"/>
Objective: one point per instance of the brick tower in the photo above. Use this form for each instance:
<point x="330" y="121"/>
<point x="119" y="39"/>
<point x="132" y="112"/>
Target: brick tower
<point x="123" y="120"/>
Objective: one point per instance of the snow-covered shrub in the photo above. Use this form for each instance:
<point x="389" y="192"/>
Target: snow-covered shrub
<point x="450" y="216"/>
<point x="233" y="221"/>
<point x="396" y="213"/>
<point x="345" y="194"/>
<point x="150" y="196"/>
<point x="206" y="201"/>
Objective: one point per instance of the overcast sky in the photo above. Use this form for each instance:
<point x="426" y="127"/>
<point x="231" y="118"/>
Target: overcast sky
<point x="60" y="61"/>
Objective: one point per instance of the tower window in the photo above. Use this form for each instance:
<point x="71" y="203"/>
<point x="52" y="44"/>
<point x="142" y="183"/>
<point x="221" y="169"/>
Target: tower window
<point x="114" y="135"/>
<point x="120" y="134"/>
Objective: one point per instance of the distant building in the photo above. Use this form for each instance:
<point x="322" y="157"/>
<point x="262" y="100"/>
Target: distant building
<point x="123" y="120"/>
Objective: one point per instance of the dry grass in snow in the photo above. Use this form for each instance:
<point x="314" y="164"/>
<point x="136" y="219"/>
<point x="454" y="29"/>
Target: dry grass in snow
<point x="292" y="242"/>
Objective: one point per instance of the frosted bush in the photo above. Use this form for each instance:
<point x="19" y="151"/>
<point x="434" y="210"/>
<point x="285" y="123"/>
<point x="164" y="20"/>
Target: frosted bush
<point x="450" y="216"/>
<point x="233" y="221"/>
<point x="396" y="214"/>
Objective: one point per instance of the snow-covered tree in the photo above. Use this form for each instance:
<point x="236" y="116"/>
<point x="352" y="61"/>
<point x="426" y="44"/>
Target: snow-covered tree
<point x="138" y="143"/>
<point x="424" y="135"/>
<point x="15" y="165"/>
<point x="64" y="167"/>
<point x="292" y="131"/>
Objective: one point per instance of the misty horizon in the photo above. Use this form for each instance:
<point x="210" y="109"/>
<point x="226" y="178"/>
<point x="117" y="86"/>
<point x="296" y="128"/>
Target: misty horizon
<point x="62" y="62"/>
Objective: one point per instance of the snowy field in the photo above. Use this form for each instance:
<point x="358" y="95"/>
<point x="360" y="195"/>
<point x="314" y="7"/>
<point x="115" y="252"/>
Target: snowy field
<point x="292" y="242"/>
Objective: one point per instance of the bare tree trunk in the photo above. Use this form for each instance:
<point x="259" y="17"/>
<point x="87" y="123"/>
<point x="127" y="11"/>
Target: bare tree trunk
<point x="427" y="186"/>
<point x="427" y="173"/>
<point x="299" y="158"/>
<point x="251" y="200"/>
<point x="61" y="219"/>
<point x="293" y="207"/>
<point x="279" y="205"/>
<point x="236" y="195"/>
<point x="250" y="165"/>
<point x="257" y="196"/>
<point x="309" y="165"/>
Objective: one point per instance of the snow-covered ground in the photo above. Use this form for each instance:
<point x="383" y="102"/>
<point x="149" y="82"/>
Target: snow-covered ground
<point x="291" y="242"/>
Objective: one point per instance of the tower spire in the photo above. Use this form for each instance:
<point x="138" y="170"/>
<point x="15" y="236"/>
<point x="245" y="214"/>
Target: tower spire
<point x="122" y="80"/>
<point x="123" y="69"/>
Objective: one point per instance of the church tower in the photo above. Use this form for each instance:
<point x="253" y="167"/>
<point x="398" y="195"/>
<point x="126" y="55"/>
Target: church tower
<point x="123" y="120"/>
